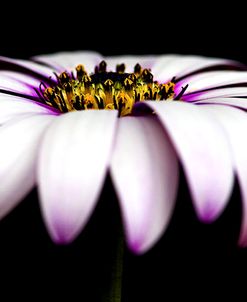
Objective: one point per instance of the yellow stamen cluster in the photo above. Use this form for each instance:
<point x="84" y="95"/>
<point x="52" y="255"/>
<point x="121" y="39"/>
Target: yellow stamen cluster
<point x="106" y="90"/>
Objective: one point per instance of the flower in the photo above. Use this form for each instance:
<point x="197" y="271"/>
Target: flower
<point x="159" y="111"/>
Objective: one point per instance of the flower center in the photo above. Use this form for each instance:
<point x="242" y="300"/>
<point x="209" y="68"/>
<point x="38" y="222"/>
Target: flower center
<point x="106" y="90"/>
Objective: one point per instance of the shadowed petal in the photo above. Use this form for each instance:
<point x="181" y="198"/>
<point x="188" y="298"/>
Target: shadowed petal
<point x="19" y="147"/>
<point x="72" y="166"/>
<point x="204" y="152"/>
<point x="235" y="124"/>
<point x="145" y="172"/>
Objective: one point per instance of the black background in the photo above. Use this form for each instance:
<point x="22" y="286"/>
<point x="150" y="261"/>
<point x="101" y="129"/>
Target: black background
<point x="194" y="260"/>
<point x="206" y="28"/>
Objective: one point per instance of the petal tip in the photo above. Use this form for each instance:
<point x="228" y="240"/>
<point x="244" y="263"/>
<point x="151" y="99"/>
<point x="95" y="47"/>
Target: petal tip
<point x="242" y="241"/>
<point x="61" y="232"/>
<point x="139" y="246"/>
<point x="209" y="213"/>
<point x="60" y="240"/>
<point x="136" y="247"/>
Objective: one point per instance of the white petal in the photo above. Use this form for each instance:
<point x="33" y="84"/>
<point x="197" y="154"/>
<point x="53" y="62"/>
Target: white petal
<point x="234" y="102"/>
<point x="181" y="65"/>
<point x="32" y="66"/>
<point x="12" y="107"/>
<point x="145" y="172"/>
<point x="212" y="79"/>
<point x="18" y="82"/>
<point x="216" y="93"/>
<point x="19" y="146"/>
<point x="235" y="124"/>
<point x="204" y="152"/>
<point x="72" y="166"/>
<point x="69" y="60"/>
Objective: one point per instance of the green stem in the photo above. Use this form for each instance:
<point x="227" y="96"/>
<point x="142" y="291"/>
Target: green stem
<point x="117" y="272"/>
<point x="115" y="292"/>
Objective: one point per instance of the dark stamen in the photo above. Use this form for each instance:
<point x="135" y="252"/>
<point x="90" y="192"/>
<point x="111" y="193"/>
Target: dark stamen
<point x="42" y="84"/>
<point x="120" y="68"/>
<point x="137" y="68"/>
<point x="147" y="76"/>
<point x="40" y="94"/>
<point x="56" y="75"/>
<point x="181" y="93"/>
<point x="102" y="66"/>
<point x="173" y="80"/>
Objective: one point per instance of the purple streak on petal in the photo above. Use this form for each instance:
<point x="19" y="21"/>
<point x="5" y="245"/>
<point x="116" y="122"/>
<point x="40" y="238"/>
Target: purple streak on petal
<point x="211" y="65"/>
<point x="213" y="80"/>
<point x="190" y="98"/>
<point x="204" y="152"/>
<point x="144" y="170"/>
<point x="185" y="66"/>
<point x="228" y="90"/>
<point x="22" y="84"/>
<point x="52" y="65"/>
<point x="239" y="103"/>
<point x="12" y="107"/>
<point x="28" y="68"/>
<point x="73" y="162"/>
<point x="233" y="92"/>
<point x="20" y="140"/>
<point x="39" y="100"/>
<point x="31" y="98"/>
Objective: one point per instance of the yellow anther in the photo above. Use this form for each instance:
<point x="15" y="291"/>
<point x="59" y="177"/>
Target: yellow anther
<point x="48" y="92"/>
<point x="90" y="102"/>
<point x="128" y="82"/>
<point x="108" y="83"/>
<point x="110" y="106"/>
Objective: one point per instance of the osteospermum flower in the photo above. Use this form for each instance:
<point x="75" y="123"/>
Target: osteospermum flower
<point x="68" y="119"/>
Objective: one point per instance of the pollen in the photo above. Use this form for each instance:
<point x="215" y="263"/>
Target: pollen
<point x="104" y="89"/>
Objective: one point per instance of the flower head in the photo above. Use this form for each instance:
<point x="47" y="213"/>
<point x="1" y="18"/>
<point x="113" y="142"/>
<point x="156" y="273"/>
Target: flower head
<point x="117" y="90"/>
<point x="68" y="119"/>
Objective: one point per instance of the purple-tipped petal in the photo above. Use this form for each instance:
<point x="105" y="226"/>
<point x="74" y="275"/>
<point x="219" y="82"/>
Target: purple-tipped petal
<point x="204" y="152"/>
<point x="19" y="141"/>
<point x="69" y="60"/>
<point x="73" y="162"/>
<point x="234" y="122"/>
<point x="11" y="107"/>
<point x="145" y="172"/>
